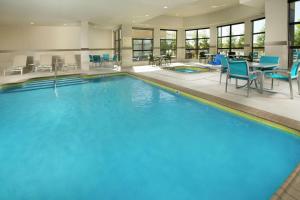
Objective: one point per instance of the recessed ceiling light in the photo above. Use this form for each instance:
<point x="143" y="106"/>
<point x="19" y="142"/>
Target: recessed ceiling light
<point x="65" y="24"/>
<point x="31" y="23"/>
<point x="147" y="15"/>
<point x="165" y="7"/>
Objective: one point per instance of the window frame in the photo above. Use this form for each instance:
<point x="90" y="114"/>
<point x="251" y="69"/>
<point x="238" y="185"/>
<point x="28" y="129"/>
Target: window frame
<point x="197" y="39"/>
<point x="230" y="36"/>
<point x="117" y="40"/>
<point x="291" y="34"/>
<point x="176" y="41"/>
<point x="258" y="33"/>
<point x="143" y="41"/>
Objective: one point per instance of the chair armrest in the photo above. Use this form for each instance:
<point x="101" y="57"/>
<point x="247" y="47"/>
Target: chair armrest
<point x="257" y="72"/>
<point x="283" y="71"/>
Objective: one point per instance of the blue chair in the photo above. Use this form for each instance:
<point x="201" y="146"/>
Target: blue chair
<point x="91" y="59"/>
<point x="239" y="70"/>
<point x="97" y="59"/>
<point x="224" y="66"/>
<point x="105" y="57"/>
<point x="285" y="75"/>
<point x="217" y="60"/>
<point x="270" y="60"/>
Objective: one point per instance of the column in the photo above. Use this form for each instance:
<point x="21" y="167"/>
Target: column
<point x="84" y="45"/>
<point x="156" y="42"/>
<point x="126" y="46"/>
<point x="181" y="45"/>
<point x="276" y="43"/>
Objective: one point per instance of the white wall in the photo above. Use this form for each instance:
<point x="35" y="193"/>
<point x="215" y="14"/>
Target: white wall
<point x="53" y="40"/>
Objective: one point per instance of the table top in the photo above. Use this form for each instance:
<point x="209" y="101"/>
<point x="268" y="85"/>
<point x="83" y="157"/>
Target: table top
<point x="262" y="65"/>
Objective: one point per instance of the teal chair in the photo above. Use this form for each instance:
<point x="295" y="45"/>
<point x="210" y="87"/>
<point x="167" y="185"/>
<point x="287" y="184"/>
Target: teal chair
<point x="239" y="70"/>
<point x="270" y="60"/>
<point x="285" y="75"/>
<point x="224" y="66"/>
<point x="105" y="57"/>
<point x="97" y="59"/>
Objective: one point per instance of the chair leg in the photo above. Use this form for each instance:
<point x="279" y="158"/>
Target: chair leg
<point x="255" y="83"/>
<point x="226" y="83"/>
<point x="272" y="84"/>
<point x="291" y="88"/>
<point x="298" y="80"/>
<point x="220" y="77"/>
<point x="248" y="87"/>
<point x="236" y="83"/>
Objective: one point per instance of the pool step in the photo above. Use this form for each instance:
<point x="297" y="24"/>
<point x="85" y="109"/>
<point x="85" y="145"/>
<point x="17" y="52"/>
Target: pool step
<point x="45" y="84"/>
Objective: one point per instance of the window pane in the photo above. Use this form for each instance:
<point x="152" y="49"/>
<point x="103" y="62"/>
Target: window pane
<point x="190" y="44"/>
<point x="238" y="29"/>
<point x="239" y="52"/>
<point x="168" y="44"/>
<point x="259" y="26"/>
<point x="203" y="43"/>
<point x="223" y="51"/>
<point x="190" y="54"/>
<point x="223" y="42"/>
<point x="259" y="40"/>
<point x="204" y="33"/>
<point x="191" y="34"/>
<point x="224" y="31"/>
<point x="295" y="12"/>
<point x="170" y="52"/>
<point x="237" y="42"/>
<point x="165" y="34"/>
<point x="137" y="44"/>
<point x="296" y="38"/>
<point x="147" y="45"/>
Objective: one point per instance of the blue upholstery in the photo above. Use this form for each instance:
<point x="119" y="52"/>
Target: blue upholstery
<point x="270" y="60"/>
<point x="238" y="68"/>
<point x="217" y="60"/>
<point x="224" y="63"/>
<point x="96" y="58"/>
<point x="91" y="58"/>
<point x="105" y="57"/>
<point x="294" y="73"/>
<point x="115" y="58"/>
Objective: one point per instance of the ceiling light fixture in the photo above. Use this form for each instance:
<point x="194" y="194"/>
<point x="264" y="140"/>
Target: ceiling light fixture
<point x="147" y="15"/>
<point x="165" y="7"/>
<point x="31" y="23"/>
<point x="65" y="24"/>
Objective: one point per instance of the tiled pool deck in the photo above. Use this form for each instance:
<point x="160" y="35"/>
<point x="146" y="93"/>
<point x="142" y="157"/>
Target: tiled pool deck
<point x="275" y="107"/>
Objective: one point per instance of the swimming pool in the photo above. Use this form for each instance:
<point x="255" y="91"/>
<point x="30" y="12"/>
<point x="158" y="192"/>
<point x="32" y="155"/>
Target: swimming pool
<point x="121" y="138"/>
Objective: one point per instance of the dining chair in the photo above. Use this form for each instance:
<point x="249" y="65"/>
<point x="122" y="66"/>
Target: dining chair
<point x="270" y="60"/>
<point x="285" y="75"/>
<point x="239" y="70"/>
<point x="224" y="66"/>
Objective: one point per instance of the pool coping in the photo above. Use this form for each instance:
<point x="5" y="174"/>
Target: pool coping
<point x="288" y="184"/>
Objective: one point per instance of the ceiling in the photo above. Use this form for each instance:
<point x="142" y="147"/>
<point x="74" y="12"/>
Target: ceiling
<point x="106" y="13"/>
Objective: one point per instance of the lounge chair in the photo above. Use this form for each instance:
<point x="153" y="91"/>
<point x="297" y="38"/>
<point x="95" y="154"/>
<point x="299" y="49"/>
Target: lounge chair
<point x="239" y="70"/>
<point x="19" y="63"/>
<point x="45" y="63"/>
<point x="70" y="63"/>
<point x="285" y="75"/>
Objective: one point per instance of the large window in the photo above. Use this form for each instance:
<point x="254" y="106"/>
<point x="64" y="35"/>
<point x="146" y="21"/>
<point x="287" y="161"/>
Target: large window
<point x="294" y="30"/>
<point x="231" y="38"/>
<point x="196" y="41"/>
<point x="168" y="42"/>
<point x="142" y="44"/>
<point x="258" y="37"/>
<point x="117" y="43"/>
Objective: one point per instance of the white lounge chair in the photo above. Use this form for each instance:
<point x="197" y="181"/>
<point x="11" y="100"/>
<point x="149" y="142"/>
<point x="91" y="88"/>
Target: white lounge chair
<point x="70" y="63"/>
<point x="45" y="63"/>
<point x="19" y="63"/>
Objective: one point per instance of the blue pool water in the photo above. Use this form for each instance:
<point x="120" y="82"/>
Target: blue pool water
<point x="120" y="138"/>
<point x="186" y="70"/>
